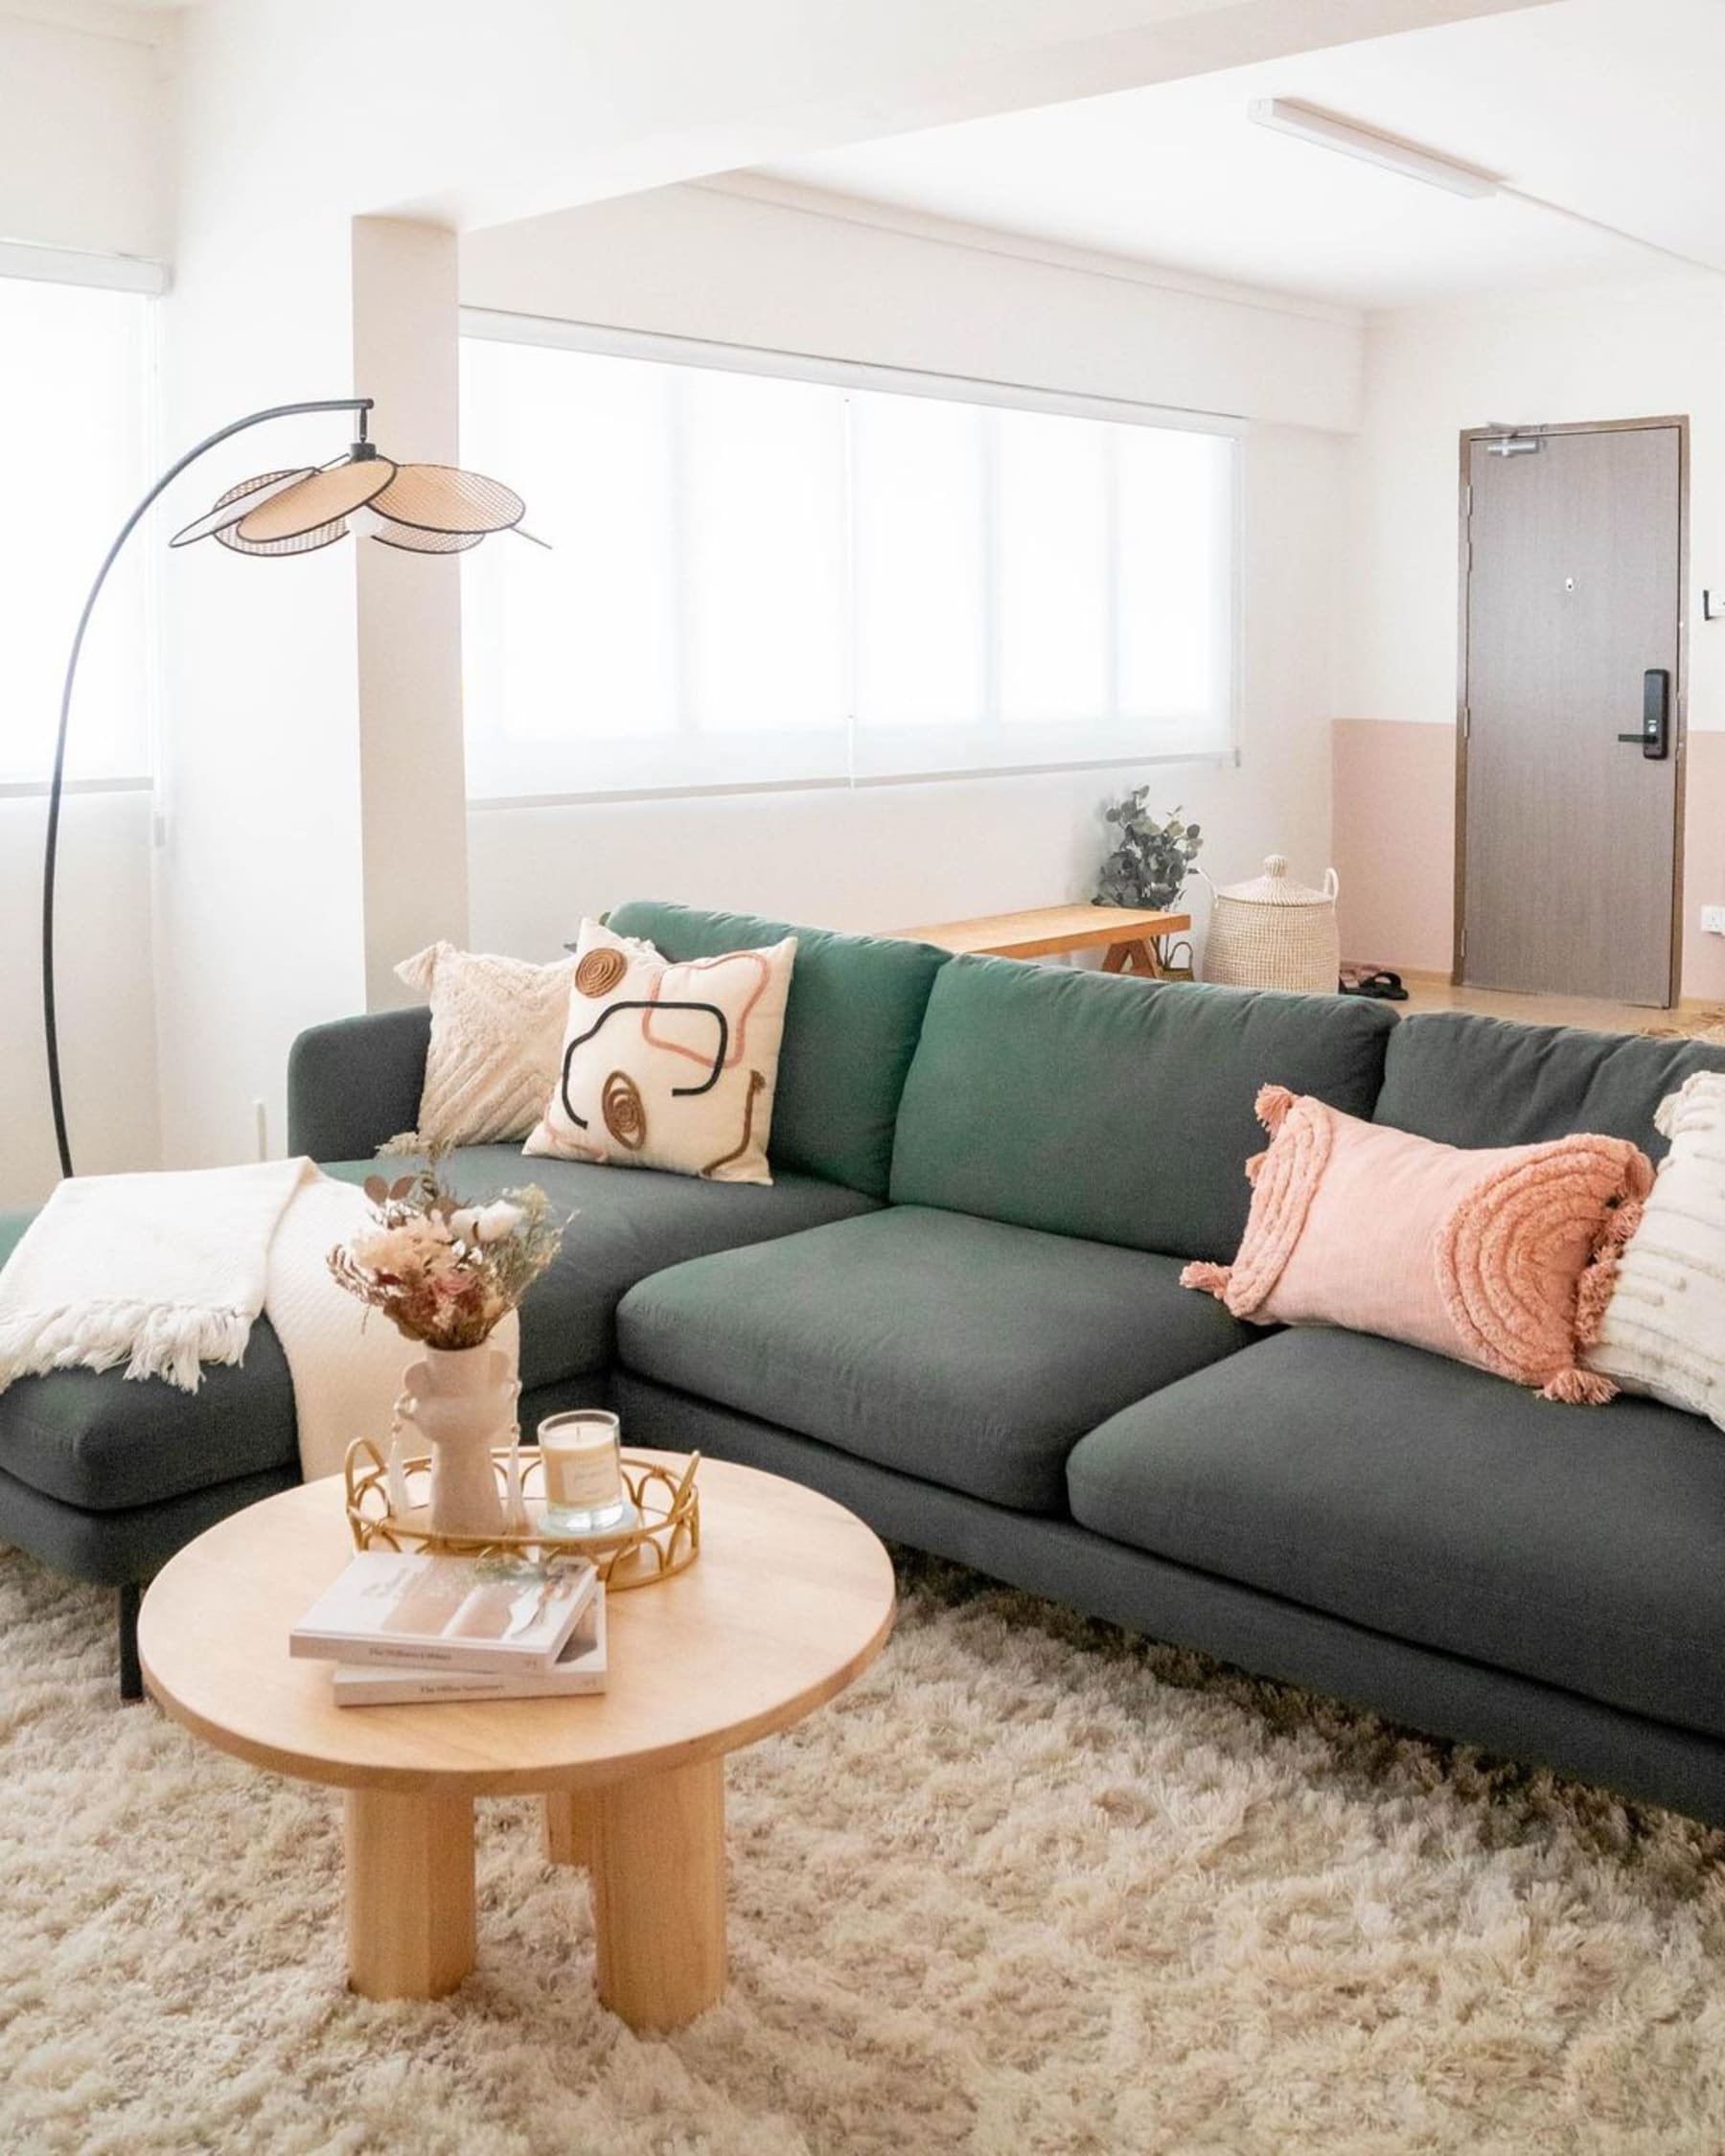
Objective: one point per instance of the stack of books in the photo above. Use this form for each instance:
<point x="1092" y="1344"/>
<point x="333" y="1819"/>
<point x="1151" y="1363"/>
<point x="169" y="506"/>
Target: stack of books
<point x="402" y="1627"/>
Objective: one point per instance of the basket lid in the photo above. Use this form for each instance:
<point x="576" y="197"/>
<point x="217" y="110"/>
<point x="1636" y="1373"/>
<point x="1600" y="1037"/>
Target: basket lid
<point x="1276" y="887"/>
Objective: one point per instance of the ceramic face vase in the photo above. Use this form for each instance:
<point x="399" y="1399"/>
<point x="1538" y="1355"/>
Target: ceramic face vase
<point x="461" y="1401"/>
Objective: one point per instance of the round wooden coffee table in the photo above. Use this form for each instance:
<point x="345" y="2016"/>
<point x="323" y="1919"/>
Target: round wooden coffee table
<point x="790" y="1598"/>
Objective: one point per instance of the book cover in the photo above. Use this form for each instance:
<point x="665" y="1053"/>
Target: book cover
<point x="580" y="1670"/>
<point x="496" y="1613"/>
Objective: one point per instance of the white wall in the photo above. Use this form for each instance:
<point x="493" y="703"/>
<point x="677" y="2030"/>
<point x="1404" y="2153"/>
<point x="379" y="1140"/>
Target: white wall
<point x="734" y="268"/>
<point x="106" y="1004"/>
<point x="793" y="270"/>
<point x="1617" y="351"/>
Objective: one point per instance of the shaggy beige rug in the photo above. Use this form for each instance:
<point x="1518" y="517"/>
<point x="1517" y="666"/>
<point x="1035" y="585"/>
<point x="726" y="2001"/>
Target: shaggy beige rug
<point x="1029" y="1885"/>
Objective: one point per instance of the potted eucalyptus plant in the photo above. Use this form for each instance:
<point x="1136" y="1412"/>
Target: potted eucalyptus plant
<point x="1149" y="865"/>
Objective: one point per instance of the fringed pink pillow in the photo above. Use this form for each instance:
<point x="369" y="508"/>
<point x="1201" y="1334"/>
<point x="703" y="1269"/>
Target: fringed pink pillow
<point x="1501" y="1257"/>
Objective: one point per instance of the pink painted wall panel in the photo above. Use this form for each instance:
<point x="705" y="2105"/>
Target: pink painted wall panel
<point x="1395" y="808"/>
<point x="1395" y="836"/>
<point x="1704" y="865"/>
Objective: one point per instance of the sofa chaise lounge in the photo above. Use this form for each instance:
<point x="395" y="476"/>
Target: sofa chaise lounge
<point x="957" y="1311"/>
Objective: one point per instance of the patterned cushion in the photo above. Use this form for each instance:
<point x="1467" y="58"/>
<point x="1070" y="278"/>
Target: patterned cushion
<point x="1663" y="1329"/>
<point x="669" y="1066"/>
<point x="851" y="1026"/>
<point x="496" y="1035"/>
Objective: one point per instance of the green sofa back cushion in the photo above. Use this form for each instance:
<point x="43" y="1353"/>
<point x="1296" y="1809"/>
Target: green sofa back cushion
<point x="1090" y="1103"/>
<point x="851" y="1026"/>
<point x="1482" y="1081"/>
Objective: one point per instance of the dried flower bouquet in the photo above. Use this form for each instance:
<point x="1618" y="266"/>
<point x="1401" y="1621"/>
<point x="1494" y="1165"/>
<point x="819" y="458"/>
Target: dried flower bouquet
<point x="442" y="1269"/>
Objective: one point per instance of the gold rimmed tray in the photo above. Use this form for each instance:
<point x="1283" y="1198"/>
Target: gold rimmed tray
<point x="662" y="1540"/>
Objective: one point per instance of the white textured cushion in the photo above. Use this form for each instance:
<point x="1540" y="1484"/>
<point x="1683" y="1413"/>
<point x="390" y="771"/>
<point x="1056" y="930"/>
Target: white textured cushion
<point x="669" y="1066"/>
<point x="496" y="1037"/>
<point x="1663" y="1329"/>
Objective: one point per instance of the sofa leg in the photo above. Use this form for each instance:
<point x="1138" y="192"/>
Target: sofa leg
<point x="131" y="1677"/>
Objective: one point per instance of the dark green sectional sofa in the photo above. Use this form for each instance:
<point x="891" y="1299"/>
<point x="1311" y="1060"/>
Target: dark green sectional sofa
<point x="957" y="1311"/>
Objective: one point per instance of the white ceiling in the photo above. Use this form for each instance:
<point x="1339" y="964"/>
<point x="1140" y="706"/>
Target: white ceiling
<point x="1611" y="108"/>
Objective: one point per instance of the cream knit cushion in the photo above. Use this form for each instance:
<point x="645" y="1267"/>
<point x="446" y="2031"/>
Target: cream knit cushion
<point x="496" y="1035"/>
<point x="1663" y="1328"/>
<point x="668" y="1066"/>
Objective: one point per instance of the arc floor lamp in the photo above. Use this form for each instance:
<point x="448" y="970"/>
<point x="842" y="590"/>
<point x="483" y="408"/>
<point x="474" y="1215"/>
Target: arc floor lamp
<point x="417" y="508"/>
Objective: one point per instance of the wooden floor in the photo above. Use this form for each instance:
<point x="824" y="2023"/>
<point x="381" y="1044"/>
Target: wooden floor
<point x="1431" y="992"/>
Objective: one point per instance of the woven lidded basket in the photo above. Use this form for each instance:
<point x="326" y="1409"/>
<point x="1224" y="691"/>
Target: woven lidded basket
<point x="1273" y="932"/>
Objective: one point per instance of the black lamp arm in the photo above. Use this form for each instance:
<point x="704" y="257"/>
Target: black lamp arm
<point x="57" y="785"/>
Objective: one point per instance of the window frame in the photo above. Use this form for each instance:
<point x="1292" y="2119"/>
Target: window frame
<point x="499" y="326"/>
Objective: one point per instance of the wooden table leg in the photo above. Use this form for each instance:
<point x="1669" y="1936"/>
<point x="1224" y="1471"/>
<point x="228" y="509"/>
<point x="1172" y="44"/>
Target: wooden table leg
<point x="658" y="1869"/>
<point x="409" y="1894"/>
<point x="568" y="1826"/>
<point x="1136" y="957"/>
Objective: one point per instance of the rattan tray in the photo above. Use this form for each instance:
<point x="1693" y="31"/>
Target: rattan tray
<point x="663" y="1539"/>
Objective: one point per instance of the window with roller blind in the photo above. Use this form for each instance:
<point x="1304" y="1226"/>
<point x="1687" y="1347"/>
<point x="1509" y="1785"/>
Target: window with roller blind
<point x="75" y="426"/>
<point x="765" y="578"/>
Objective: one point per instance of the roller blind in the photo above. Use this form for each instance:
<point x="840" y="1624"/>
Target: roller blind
<point x="758" y="580"/>
<point x="74" y="439"/>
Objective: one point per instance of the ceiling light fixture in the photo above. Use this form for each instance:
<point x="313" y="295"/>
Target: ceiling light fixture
<point x="1328" y="131"/>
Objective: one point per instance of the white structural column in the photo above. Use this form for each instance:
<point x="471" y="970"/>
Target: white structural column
<point x="412" y="780"/>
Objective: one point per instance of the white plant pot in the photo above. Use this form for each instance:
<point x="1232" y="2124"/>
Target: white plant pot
<point x="461" y="1401"/>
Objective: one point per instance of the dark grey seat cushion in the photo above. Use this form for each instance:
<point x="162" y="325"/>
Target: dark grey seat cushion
<point x="89" y="1439"/>
<point x="958" y="1350"/>
<point x="95" y="1440"/>
<point x="1584" y="1547"/>
<point x="1480" y="1081"/>
<point x="627" y="1223"/>
<point x="92" y="1438"/>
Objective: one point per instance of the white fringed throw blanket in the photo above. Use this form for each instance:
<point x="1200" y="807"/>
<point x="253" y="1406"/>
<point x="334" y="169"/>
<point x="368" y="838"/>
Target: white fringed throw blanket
<point x="166" y="1273"/>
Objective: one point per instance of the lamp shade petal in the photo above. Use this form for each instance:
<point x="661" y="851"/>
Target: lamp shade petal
<point x="440" y="497"/>
<point x="324" y="498"/>
<point x="239" y="501"/>
<point x="413" y="541"/>
<point x="302" y="542"/>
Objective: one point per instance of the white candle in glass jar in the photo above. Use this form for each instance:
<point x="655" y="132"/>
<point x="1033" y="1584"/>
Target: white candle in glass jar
<point x="582" y="1471"/>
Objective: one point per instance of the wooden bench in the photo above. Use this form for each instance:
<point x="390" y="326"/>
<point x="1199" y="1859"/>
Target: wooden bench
<point x="1123" y="934"/>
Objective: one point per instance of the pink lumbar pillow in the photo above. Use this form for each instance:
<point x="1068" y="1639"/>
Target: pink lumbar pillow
<point x="1501" y="1257"/>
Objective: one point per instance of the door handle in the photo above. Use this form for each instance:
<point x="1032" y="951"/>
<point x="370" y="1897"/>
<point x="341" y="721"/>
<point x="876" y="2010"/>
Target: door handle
<point x="1655" y="732"/>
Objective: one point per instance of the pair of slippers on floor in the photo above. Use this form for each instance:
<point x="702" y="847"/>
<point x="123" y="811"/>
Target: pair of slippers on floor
<point x="1377" y="982"/>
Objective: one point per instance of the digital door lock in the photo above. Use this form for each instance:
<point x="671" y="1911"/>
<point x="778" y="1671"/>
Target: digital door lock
<point x="1655" y="731"/>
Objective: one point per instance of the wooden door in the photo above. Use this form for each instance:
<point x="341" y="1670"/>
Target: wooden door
<point x="1568" y="861"/>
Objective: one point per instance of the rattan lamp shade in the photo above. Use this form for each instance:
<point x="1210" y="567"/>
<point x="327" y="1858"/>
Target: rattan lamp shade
<point x="417" y="508"/>
<point x="323" y="499"/>
<point x="438" y="497"/>
<point x="238" y="502"/>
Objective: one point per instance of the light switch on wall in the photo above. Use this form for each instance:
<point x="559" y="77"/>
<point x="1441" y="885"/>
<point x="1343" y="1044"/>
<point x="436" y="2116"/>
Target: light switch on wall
<point x="1713" y="920"/>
